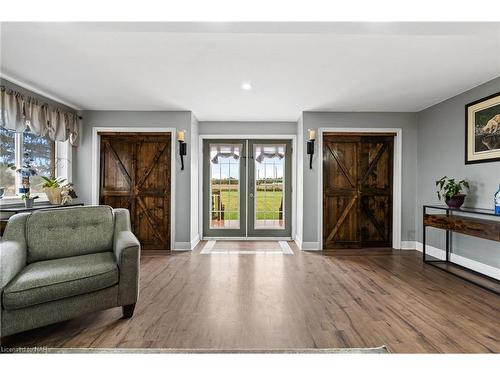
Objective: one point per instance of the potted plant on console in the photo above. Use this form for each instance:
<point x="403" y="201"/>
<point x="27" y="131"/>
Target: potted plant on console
<point x="452" y="191"/>
<point x="28" y="199"/>
<point x="53" y="186"/>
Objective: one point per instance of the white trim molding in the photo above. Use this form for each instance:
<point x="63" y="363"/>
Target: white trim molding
<point x="408" y="245"/>
<point x="96" y="145"/>
<point x="291" y="137"/>
<point x="474" y="265"/>
<point x="397" y="183"/>
<point x="182" y="246"/>
<point x="194" y="241"/>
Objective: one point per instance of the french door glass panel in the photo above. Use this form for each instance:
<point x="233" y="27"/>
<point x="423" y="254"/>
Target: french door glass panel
<point x="269" y="185"/>
<point x="225" y="210"/>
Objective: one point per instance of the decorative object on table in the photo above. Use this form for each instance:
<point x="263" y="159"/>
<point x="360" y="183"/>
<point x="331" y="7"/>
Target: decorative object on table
<point x="68" y="194"/>
<point x="26" y="171"/>
<point x="497" y="201"/>
<point x="53" y="188"/>
<point x="482" y="129"/>
<point x="451" y="191"/>
<point x="2" y="191"/>
<point x="28" y="199"/>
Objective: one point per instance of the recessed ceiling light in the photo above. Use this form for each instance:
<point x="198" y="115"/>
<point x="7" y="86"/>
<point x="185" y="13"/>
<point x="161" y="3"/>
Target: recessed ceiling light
<point x="246" y="86"/>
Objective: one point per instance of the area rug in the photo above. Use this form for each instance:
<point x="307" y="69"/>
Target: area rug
<point x="242" y="248"/>
<point x="41" y="350"/>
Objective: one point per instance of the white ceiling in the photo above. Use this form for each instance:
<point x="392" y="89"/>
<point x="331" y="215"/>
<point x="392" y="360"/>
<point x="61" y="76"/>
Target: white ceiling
<point x="293" y="67"/>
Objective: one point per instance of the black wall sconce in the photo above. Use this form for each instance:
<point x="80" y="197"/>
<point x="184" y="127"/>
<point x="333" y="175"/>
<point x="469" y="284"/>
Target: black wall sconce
<point x="310" y="146"/>
<point x="182" y="146"/>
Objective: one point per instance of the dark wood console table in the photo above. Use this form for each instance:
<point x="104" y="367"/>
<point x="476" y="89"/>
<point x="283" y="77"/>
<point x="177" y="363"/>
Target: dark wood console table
<point x="483" y="227"/>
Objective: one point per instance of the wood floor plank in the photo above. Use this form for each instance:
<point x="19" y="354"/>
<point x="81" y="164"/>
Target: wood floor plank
<point x="347" y="298"/>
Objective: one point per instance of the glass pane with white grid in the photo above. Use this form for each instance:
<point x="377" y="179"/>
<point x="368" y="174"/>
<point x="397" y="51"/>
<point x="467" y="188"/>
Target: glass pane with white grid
<point x="225" y="186"/>
<point x="269" y="185"/>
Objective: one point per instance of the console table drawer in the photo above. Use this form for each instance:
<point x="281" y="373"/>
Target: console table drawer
<point x="487" y="229"/>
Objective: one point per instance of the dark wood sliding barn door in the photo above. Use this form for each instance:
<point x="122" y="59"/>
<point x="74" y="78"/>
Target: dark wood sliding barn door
<point x="135" y="174"/>
<point x="357" y="190"/>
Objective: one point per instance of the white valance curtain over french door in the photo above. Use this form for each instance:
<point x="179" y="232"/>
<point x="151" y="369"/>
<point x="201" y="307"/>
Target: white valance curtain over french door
<point x="18" y="112"/>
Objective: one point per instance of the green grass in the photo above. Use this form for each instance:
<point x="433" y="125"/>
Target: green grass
<point x="271" y="203"/>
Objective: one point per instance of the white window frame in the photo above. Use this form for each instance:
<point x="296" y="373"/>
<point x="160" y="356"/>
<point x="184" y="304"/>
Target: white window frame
<point x="63" y="152"/>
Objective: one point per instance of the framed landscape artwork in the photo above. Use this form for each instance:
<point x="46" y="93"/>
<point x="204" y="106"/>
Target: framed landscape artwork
<point x="482" y="130"/>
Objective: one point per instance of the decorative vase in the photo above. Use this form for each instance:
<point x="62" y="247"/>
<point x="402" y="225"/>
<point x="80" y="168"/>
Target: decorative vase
<point x="456" y="201"/>
<point x="28" y="202"/>
<point x="25" y="181"/>
<point x="54" y="195"/>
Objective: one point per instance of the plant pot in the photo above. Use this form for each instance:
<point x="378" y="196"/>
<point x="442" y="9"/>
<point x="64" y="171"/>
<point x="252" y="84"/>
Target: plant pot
<point x="456" y="201"/>
<point x="28" y="202"/>
<point x="54" y="195"/>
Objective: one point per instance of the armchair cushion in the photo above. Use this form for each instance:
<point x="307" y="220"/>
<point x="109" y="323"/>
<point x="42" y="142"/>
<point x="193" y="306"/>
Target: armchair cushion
<point x="52" y="280"/>
<point x="68" y="232"/>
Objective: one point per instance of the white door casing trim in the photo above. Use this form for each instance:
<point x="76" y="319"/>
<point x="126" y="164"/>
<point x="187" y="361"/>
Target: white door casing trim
<point x="397" y="167"/>
<point x="291" y="137"/>
<point x="96" y="146"/>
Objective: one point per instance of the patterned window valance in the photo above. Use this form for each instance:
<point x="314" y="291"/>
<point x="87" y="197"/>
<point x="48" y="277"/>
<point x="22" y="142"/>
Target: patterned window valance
<point x="18" y="112"/>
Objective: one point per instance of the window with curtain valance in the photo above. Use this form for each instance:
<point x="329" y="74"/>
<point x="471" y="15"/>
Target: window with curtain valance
<point x="19" y="112"/>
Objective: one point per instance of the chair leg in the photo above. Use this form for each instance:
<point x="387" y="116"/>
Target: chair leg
<point x="128" y="311"/>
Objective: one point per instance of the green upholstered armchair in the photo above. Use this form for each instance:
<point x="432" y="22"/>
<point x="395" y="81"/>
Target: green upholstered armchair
<point x="58" y="264"/>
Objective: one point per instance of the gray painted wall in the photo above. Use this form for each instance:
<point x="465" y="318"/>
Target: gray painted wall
<point x="441" y="151"/>
<point x="82" y="161"/>
<point x="246" y="127"/>
<point x="406" y="121"/>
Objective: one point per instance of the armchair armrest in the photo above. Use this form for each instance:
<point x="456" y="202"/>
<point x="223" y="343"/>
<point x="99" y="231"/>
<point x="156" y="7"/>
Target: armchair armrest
<point x="127" y="251"/>
<point x="12" y="260"/>
<point x="13" y="249"/>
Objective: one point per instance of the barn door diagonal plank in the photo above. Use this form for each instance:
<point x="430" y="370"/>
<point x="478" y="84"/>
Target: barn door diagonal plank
<point x="342" y="218"/>
<point x="120" y="163"/>
<point x="153" y="164"/>
<point x="344" y="169"/>
<point x="374" y="162"/>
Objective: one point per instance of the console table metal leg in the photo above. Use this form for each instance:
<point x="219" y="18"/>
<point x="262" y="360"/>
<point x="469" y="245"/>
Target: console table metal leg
<point x="423" y="236"/>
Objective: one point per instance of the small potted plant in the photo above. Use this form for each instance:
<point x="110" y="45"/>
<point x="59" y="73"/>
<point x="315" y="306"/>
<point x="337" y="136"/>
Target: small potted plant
<point x="452" y="191"/>
<point x="53" y="187"/>
<point x="28" y="199"/>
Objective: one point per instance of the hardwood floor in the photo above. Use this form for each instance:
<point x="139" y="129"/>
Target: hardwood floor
<point x="348" y="298"/>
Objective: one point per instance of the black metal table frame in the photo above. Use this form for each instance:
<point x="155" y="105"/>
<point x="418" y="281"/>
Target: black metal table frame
<point x="448" y="248"/>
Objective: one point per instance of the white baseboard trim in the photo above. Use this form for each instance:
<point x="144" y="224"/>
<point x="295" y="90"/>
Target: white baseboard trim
<point x="194" y="241"/>
<point x="408" y="245"/>
<point x="298" y="241"/>
<point x="474" y="265"/>
<point x="310" y="246"/>
<point x="182" y="246"/>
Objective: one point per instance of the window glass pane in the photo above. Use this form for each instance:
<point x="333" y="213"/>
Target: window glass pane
<point x="225" y="186"/>
<point x="42" y="151"/>
<point x="269" y="186"/>
<point x="7" y="155"/>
